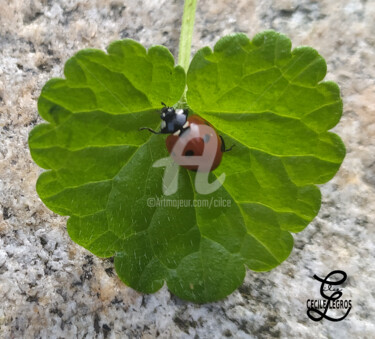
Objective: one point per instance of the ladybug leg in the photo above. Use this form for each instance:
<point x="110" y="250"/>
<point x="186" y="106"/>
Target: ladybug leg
<point x="149" y="129"/>
<point x="223" y="149"/>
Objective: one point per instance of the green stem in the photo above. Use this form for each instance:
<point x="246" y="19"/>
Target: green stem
<point x="187" y="29"/>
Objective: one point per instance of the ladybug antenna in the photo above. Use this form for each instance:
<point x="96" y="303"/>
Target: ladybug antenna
<point x="163" y="104"/>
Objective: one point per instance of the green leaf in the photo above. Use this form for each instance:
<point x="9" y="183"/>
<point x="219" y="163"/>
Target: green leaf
<point x="259" y="95"/>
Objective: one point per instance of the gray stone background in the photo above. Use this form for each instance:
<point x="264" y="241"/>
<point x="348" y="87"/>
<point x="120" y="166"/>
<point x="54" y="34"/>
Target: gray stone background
<point x="50" y="287"/>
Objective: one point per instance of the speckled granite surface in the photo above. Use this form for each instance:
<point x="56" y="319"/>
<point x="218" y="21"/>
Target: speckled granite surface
<point x="51" y="288"/>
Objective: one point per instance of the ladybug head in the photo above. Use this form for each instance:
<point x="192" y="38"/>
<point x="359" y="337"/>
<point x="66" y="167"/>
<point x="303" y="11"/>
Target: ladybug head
<point x="167" y="113"/>
<point x="173" y="120"/>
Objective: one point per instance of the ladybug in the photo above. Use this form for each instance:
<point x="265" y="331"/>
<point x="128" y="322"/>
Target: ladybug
<point x="198" y="136"/>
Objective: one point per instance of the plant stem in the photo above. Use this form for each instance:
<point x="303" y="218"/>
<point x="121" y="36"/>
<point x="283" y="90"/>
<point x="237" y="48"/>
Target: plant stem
<point x="187" y="29"/>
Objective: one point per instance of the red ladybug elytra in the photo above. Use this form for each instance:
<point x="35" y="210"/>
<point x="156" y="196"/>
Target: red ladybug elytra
<point x="198" y="135"/>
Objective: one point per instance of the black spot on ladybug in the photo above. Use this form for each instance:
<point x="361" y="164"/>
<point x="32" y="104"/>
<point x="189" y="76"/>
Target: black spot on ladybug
<point x="189" y="153"/>
<point x="206" y="138"/>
